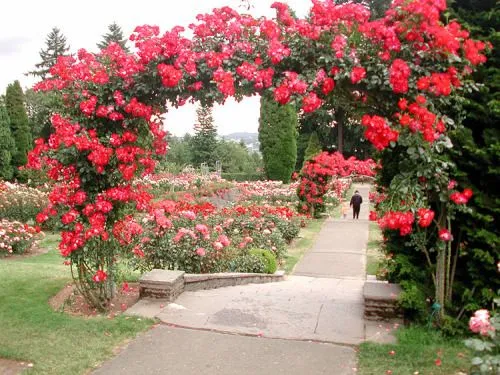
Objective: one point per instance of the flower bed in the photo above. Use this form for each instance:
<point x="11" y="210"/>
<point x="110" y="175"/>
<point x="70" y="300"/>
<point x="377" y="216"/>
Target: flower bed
<point x="16" y="237"/>
<point x="20" y="202"/>
<point x="198" y="238"/>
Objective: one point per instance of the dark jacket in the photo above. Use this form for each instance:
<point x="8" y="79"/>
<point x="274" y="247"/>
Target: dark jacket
<point x="356" y="200"/>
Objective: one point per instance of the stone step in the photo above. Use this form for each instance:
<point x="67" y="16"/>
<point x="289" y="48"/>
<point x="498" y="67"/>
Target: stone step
<point x="381" y="301"/>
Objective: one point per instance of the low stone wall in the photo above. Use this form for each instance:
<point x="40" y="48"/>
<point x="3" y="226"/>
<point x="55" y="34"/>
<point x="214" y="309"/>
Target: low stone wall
<point x="168" y="285"/>
<point x="220" y="280"/>
<point x="381" y="301"/>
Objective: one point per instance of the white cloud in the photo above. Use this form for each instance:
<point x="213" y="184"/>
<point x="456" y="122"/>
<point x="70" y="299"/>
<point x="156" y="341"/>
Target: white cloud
<point x="25" y="24"/>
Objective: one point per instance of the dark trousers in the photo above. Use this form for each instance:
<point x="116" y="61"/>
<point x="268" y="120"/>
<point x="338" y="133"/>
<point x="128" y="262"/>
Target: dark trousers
<point x="355" y="211"/>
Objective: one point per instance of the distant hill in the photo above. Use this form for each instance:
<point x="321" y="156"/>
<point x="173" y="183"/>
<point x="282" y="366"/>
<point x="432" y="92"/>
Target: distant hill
<point x="251" y="140"/>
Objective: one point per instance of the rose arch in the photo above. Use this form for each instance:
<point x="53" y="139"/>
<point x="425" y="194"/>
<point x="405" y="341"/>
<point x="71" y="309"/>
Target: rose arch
<point x="403" y="71"/>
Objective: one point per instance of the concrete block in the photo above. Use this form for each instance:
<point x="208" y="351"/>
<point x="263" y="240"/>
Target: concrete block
<point x="161" y="284"/>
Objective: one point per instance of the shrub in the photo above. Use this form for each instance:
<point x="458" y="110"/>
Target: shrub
<point x="268" y="257"/>
<point x="16" y="237"/>
<point x="248" y="263"/>
<point x="21" y="203"/>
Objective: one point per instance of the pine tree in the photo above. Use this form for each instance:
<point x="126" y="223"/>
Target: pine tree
<point x="56" y="46"/>
<point x="313" y="147"/>
<point x="204" y="142"/>
<point x="277" y="136"/>
<point x="115" y="35"/>
<point x="19" y="123"/>
<point x="7" y="145"/>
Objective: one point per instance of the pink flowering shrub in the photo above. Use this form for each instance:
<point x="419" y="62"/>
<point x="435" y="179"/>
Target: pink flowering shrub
<point x="198" y="238"/>
<point x="16" y="237"/>
<point x="487" y="348"/>
<point x="20" y="202"/>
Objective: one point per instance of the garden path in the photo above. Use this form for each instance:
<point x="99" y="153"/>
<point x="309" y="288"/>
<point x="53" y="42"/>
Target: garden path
<point x="312" y="319"/>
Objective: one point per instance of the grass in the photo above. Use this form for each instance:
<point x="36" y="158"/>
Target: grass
<point x="303" y="243"/>
<point x="56" y="343"/>
<point x="416" y="352"/>
<point x="373" y="254"/>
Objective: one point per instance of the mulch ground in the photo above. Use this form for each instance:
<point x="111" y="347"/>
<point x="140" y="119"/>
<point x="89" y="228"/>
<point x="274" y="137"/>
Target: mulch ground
<point x="68" y="300"/>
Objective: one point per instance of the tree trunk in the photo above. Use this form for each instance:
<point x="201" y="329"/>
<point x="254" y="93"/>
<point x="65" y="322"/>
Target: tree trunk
<point x="340" y="117"/>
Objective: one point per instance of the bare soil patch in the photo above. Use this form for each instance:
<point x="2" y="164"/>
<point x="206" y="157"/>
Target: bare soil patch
<point x="9" y="367"/>
<point x="69" y="301"/>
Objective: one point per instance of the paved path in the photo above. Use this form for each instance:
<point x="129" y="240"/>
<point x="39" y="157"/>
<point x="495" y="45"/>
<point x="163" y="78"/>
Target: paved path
<point x="306" y="324"/>
<point x="175" y="351"/>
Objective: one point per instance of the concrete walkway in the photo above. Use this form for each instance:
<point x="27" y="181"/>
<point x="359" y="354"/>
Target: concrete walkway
<point x="306" y="324"/>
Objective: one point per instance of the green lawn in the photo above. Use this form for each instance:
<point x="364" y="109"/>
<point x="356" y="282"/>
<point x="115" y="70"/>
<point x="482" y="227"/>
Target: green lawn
<point x="416" y="352"/>
<point x="373" y="254"/>
<point x="303" y="243"/>
<point x="54" y="342"/>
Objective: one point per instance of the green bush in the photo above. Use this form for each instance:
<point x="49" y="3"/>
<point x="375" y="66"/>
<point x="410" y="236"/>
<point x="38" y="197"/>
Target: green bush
<point x="268" y="257"/>
<point x="248" y="264"/>
<point x="240" y="177"/>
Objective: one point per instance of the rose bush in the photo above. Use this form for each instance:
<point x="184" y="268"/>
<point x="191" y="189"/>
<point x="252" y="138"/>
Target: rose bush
<point x="198" y="238"/>
<point x="16" y="237"/>
<point x="486" y="348"/>
<point x="402" y="71"/>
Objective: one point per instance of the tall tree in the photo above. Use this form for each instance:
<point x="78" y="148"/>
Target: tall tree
<point x="313" y="147"/>
<point x="7" y="145"/>
<point x="204" y="142"/>
<point x="114" y="35"/>
<point x="277" y="136"/>
<point x="477" y="156"/>
<point x="55" y="46"/>
<point x="19" y="123"/>
<point x="40" y="106"/>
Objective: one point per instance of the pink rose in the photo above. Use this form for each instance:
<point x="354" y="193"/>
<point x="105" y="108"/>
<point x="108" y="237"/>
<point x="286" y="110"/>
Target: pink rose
<point x="200" y="252"/>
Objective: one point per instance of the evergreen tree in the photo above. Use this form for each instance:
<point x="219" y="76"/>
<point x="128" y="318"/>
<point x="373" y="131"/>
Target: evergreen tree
<point x="19" y="123"/>
<point x="7" y="145"/>
<point x="40" y="106"/>
<point x="115" y="34"/>
<point x="477" y="156"/>
<point x="204" y="142"/>
<point x="277" y="136"/>
<point x="313" y="147"/>
<point x="55" y="47"/>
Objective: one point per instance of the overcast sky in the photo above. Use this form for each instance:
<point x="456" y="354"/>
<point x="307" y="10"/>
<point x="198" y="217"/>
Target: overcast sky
<point x="25" y="24"/>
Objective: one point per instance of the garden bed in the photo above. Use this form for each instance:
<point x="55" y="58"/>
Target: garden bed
<point x="69" y="301"/>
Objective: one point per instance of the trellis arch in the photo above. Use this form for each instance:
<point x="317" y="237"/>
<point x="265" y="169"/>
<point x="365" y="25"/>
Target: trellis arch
<point x="402" y="70"/>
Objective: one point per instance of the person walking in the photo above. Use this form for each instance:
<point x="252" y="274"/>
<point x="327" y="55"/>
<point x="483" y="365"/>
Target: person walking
<point x="356" y="201"/>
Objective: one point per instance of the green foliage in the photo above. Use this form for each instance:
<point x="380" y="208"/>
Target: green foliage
<point x="40" y="106"/>
<point x="204" y="143"/>
<point x="486" y="348"/>
<point x="19" y="123"/>
<point x="268" y="258"/>
<point x="114" y="35"/>
<point x="7" y="145"/>
<point x="477" y="156"/>
<point x="240" y="177"/>
<point x="248" y="263"/>
<point x="313" y="147"/>
<point x="277" y="136"/>
<point x="55" y="47"/>
<point x="236" y="158"/>
<point x="179" y="151"/>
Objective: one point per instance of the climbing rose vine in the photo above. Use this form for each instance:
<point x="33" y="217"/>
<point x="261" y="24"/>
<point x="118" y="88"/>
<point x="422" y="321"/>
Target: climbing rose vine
<point x="110" y="133"/>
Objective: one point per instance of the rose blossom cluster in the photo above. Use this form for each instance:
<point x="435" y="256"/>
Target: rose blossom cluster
<point x="110" y="127"/>
<point x="480" y="323"/>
